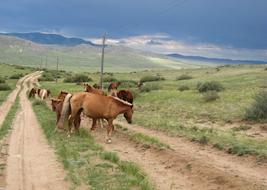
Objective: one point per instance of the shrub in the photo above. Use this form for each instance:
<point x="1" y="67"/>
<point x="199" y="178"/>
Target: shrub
<point x="149" y="87"/>
<point x="128" y="83"/>
<point x="150" y="78"/>
<point x="109" y="79"/>
<point x="2" y="80"/>
<point x="183" y="88"/>
<point x="210" y="96"/>
<point x="20" y="67"/>
<point x="16" y="76"/>
<point x="46" y="76"/>
<point x="78" y="78"/>
<point x="4" y="87"/>
<point x="209" y="86"/>
<point x="135" y="93"/>
<point x="258" y="109"/>
<point x="184" y="77"/>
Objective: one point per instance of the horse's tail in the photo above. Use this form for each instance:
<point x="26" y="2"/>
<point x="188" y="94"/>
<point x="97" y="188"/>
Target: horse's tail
<point x="66" y="108"/>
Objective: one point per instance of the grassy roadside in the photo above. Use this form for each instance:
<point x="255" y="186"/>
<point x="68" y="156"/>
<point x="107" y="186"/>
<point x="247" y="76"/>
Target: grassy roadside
<point x="230" y="141"/>
<point x="9" y="118"/>
<point x="4" y="130"/>
<point x="86" y="162"/>
<point x="143" y="138"/>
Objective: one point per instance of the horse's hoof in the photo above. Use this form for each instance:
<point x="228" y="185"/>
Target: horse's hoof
<point x="68" y="135"/>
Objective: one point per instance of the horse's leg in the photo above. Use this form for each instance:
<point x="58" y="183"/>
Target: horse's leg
<point x="77" y="121"/>
<point x="93" y="125"/>
<point x="110" y="128"/>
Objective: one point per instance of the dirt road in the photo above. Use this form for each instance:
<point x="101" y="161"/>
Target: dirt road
<point x="31" y="164"/>
<point x="187" y="166"/>
<point x="5" y="107"/>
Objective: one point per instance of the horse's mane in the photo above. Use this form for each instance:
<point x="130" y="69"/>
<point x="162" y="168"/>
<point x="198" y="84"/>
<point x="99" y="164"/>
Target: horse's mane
<point x="122" y="101"/>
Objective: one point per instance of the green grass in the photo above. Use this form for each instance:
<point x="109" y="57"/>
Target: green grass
<point x="6" y="126"/>
<point x="85" y="161"/>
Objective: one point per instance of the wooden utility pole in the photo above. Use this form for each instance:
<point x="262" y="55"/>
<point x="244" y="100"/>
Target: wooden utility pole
<point x="102" y="61"/>
<point x="57" y="69"/>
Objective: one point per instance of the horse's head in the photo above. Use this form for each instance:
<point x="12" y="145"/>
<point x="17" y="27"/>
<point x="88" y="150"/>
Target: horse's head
<point x="54" y="103"/>
<point x="128" y="115"/>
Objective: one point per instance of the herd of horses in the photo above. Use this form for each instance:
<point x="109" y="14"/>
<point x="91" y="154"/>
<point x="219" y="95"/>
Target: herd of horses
<point x="93" y="103"/>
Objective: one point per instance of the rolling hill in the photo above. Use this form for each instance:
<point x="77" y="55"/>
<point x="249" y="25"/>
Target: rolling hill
<point x="213" y="60"/>
<point x="50" y="39"/>
<point x="83" y="57"/>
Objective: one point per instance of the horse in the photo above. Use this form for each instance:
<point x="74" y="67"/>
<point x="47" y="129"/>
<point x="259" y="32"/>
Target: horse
<point x="112" y="88"/>
<point x="57" y="103"/>
<point x="125" y="95"/>
<point x="96" y="107"/>
<point x="57" y="106"/>
<point x="91" y="89"/>
<point x="43" y="93"/>
<point x="32" y="92"/>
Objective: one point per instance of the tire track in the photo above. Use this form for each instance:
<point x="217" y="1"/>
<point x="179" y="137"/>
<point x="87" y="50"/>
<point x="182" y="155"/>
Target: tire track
<point x="215" y="166"/>
<point x="31" y="163"/>
<point x="187" y="166"/>
<point x="6" y="105"/>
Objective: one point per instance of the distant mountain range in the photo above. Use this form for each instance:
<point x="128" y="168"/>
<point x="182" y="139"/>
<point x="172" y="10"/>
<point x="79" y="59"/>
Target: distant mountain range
<point x="50" y="39"/>
<point x="214" y="60"/>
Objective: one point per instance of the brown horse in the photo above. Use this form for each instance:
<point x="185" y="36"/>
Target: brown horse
<point x="32" y="92"/>
<point x="112" y="88"/>
<point x="125" y="95"/>
<point x="57" y="103"/>
<point x="57" y="106"/>
<point x="96" y="107"/>
<point x="91" y="89"/>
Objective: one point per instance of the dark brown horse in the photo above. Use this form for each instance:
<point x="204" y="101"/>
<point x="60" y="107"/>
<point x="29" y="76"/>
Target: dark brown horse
<point x="32" y="92"/>
<point x="96" y="107"/>
<point x="91" y="89"/>
<point x="125" y="95"/>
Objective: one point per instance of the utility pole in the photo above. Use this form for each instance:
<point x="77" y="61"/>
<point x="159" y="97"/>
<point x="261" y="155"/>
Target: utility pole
<point x="57" y="69"/>
<point x="102" y="61"/>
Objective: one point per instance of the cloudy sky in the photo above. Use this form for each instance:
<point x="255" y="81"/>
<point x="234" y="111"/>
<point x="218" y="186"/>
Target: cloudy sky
<point x="217" y="28"/>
